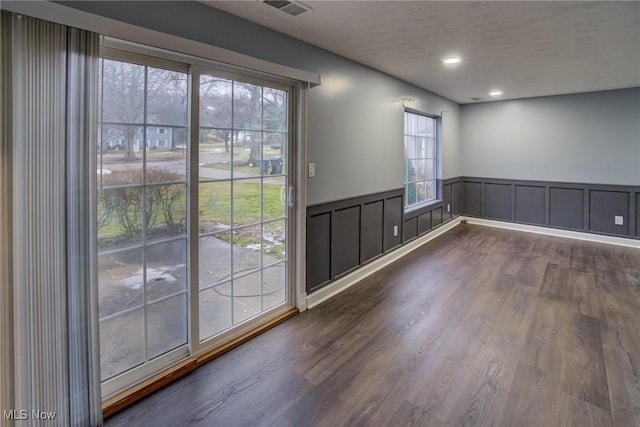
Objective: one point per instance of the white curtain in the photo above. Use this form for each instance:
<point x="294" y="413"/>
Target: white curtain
<point x="53" y="75"/>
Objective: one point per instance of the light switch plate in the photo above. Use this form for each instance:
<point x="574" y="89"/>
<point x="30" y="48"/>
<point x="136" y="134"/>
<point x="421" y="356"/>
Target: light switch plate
<point x="619" y="220"/>
<point x="395" y="230"/>
<point x="312" y="170"/>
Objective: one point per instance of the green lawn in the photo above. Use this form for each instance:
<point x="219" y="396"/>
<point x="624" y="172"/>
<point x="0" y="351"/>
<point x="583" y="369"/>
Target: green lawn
<point x="214" y="207"/>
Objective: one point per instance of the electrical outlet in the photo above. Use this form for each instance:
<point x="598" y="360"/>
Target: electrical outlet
<point x="619" y="220"/>
<point x="312" y="170"/>
<point x="395" y="230"/>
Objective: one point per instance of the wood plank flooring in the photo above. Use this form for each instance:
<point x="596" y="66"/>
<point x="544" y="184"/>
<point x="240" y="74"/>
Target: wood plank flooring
<point x="479" y="327"/>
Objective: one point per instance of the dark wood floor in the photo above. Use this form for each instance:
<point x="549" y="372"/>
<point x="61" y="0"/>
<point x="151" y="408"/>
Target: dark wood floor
<point x="479" y="327"/>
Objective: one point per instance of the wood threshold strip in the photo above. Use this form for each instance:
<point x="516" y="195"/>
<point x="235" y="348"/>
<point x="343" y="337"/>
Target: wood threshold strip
<point x="173" y="373"/>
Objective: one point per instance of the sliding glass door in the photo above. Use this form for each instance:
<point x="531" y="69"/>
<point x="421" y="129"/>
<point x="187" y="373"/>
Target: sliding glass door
<point x="193" y="211"/>
<point x="242" y="195"/>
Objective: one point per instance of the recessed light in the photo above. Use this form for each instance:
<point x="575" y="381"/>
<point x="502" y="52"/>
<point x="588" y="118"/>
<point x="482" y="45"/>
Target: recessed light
<point x="453" y="60"/>
<point x="495" y="92"/>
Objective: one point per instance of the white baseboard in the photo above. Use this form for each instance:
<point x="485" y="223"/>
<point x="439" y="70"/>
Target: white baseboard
<point x="577" y="235"/>
<point x="351" y="279"/>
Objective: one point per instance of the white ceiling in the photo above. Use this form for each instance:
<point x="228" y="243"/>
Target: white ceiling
<point x="526" y="49"/>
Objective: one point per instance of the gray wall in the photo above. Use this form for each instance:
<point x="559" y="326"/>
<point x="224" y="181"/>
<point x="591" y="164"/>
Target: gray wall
<point x="591" y="138"/>
<point x="354" y="127"/>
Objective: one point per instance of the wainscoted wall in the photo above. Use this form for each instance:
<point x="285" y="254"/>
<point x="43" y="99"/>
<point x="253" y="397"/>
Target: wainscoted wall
<point x="422" y="220"/>
<point x="346" y="234"/>
<point x="580" y="207"/>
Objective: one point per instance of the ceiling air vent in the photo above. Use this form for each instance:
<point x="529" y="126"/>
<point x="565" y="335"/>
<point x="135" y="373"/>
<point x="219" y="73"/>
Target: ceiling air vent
<point x="476" y="98"/>
<point x="292" y="8"/>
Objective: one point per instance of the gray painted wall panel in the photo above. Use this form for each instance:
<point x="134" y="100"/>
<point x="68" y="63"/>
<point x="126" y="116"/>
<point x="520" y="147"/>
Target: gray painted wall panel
<point x="497" y="201"/>
<point x="530" y="204"/>
<point x="638" y="214"/>
<point x="455" y="198"/>
<point x="436" y="217"/>
<point x="318" y="250"/>
<point x="472" y="198"/>
<point x="566" y="208"/>
<point x="393" y="210"/>
<point x="371" y="230"/>
<point x="424" y="223"/>
<point x="410" y="229"/>
<point x="447" y="200"/>
<point x="591" y="138"/>
<point x="603" y="206"/>
<point x="345" y="240"/>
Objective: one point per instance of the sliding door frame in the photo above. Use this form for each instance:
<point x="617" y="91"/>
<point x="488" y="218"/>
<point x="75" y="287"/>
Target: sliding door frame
<point x="195" y="67"/>
<point x="199" y="346"/>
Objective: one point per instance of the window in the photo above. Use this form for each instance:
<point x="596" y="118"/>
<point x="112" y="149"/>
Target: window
<point x="420" y="159"/>
<point x="162" y="143"/>
<point x="162" y="131"/>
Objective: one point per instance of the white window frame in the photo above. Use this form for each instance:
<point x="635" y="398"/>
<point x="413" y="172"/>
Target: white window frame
<point x="435" y="179"/>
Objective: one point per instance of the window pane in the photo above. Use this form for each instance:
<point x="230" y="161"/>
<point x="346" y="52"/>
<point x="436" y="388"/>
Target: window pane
<point x="119" y="217"/>
<point x="215" y="102"/>
<point x="163" y="153"/>
<point x="246" y="297"/>
<point x="274" y="198"/>
<point x="166" y="268"/>
<point x="274" y="153"/>
<point x="215" y="206"/>
<point x="119" y="281"/>
<point x="247" y="106"/>
<point x="120" y="156"/>
<point x="247" y="246"/>
<point x="165" y="210"/>
<point x="275" y="109"/>
<point x="215" y="153"/>
<point x="273" y="241"/>
<point x="121" y="343"/>
<point x="215" y="310"/>
<point x="247" y="154"/>
<point x="215" y="259"/>
<point x="122" y="92"/>
<point x="166" y="325"/>
<point x="166" y="97"/>
<point x="246" y="201"/>
<point x="274" y="285"/>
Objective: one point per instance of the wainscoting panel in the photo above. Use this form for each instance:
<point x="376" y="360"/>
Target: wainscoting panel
<point x="318" y="250"/>
<point x="424" y="219"/>
<point x="447" y="198"/>
<point x="436" y="217"/>
<point x="604" y="206"/>
<point x="410" y="229"/>
<point x="566" y="208"/>
<point x="424" y="222"/>
<point x="472" y="198"/>
<point x="371" y="232"/>
<point x="569" y="206"/>
<point x="531" y="205"/>
<point x="497" y="201"/>
<point x="345" y="240"/>
<point x="344" y="234"/>
<point x="393" y="208"/>
<point x="638" y="214"/>
<point x="455" y="199"/>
